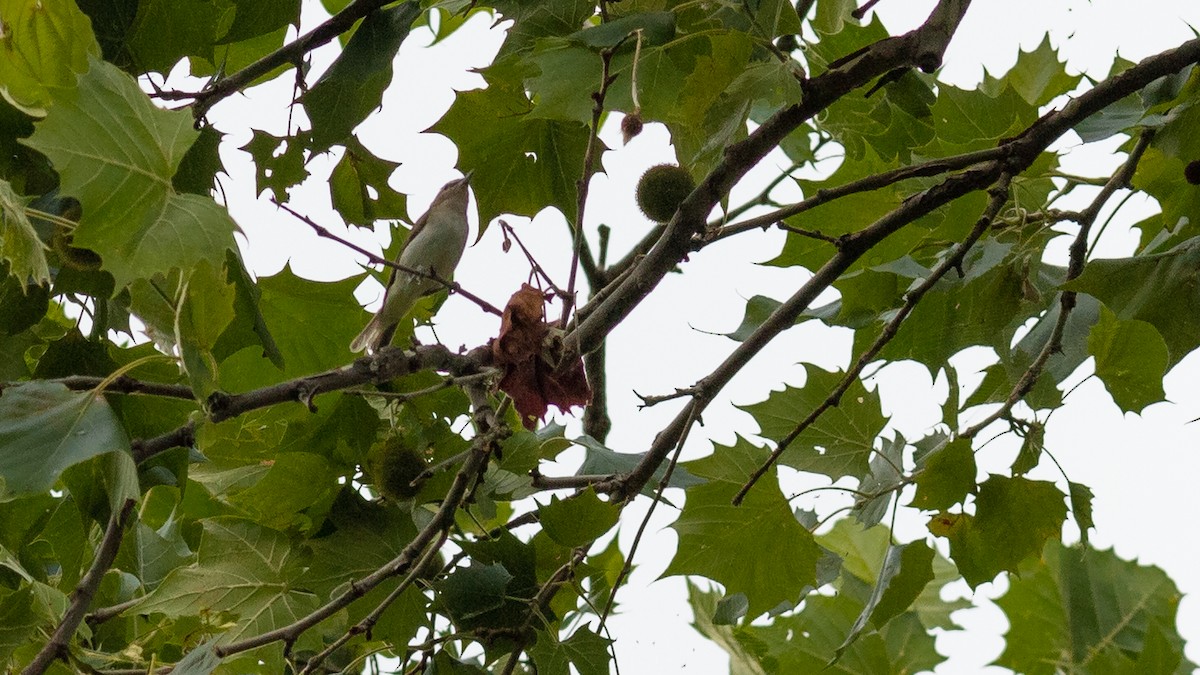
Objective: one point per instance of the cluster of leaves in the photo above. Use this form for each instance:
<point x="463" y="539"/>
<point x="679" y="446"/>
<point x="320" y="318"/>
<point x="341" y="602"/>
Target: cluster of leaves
<point x="168" y="502"/>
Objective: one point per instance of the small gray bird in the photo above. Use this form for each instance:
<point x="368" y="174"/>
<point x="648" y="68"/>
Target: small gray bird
<point x="435" y="245"/>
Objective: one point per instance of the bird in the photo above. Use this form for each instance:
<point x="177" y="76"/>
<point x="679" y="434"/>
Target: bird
<point x="435" y="245"/>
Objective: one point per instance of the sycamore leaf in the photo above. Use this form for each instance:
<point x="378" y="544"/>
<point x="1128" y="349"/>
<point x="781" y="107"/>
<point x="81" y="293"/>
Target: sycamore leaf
<point x="353" y="86"/>
<point x="1086" y="610"/>
<point x="46" y="428"/>
<point x="244" y="570"/>
<point x="116" y="152"/>
<point x="1014" y="517"/>
<point x="359" y="190"/>
<point x="579" y="519"/>
<point x="46" y="45"/>
<point x="1038" y="76"/>
<point x="521" y="165"/>
<point x="1161" y="289"/>
<point x="1131" y="359"/>
<point x="840" y="442"/>
<point x="757" y="548"/>
<point x="947" y="476"/>
<point x="586" y="650"/>
<point x="19" y="242"/>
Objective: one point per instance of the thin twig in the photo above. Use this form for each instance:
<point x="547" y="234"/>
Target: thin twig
<point x="589" y="161"/>
<point x="489" y="430"/>
<point x="999" y="195"/>
<point x="290" y="53"/>
<point x="637" y="538"/>
<point x="81" y="598"/>
<point x="452" y="286"/>
<point x="533" y="263"/>
<point x="1067" y="299"/>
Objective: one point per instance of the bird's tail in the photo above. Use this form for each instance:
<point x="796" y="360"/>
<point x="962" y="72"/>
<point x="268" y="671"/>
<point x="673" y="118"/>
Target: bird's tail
<point x="372" y="337"/>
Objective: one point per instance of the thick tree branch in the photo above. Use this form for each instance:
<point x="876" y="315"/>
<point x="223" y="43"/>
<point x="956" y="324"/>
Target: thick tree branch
<point x="382" y="367"/>
<point x="819" y="93"/>
<point x="1022" y="151"/>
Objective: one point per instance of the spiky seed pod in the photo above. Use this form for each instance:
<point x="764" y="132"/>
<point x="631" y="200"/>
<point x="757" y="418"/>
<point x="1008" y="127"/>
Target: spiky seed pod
<point x="662" y="189"/>
<point x="393" y="469"/>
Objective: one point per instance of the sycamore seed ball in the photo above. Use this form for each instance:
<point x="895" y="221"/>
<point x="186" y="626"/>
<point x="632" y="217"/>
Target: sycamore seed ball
<point x="393" y="470"/>
<point x="662" y="189"/>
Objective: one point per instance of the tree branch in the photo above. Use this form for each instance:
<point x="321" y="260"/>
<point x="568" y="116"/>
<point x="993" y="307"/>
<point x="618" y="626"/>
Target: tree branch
<point x="1022" y="151"/>
<point x="81" y="597"/>
<point x="953" y="261"/>
<point x="290" y="53"/>
<point x="489" y="431"/>
<point x="689" y="219"/>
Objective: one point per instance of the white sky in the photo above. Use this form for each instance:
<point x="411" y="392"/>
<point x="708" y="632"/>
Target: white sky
<point x="1140" y="468"/>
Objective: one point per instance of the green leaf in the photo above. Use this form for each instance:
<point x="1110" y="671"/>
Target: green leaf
<point x="24" y="306"/>
<point x="312" y="322"/>
<point x="657" y="28"/>
<point x="1161" y="289"/>
<point x="578" y="519"/>
<point x="273" y="170"/>
<point x="760" y="307"/>
<point x="295" y="482"/>
<point x="521" y="165"/>
<point x="46" y="45"/>
<point x="1038" y="76"/>
<point x="947" y="476"/>
<point x="200" y="164"/>
<point x="533" y="20"/>
<point x="883" y="479"/>
<point x="243" y="569"/>
<point x="907" y="569"/>
<point x="958" y="312"/>
<point x="1081" y="610"/>
<point x="1032" y="444"/>
<point x="116" y="152"/>
<point x="359" y="187"/>
<point x="903" y="585"/>
<point x="757" y="548"/>
<point x="602" y="460"/>
<point x="474" y="590"/>
<point x="968" y="119"/>
<point x="1081" y="508"/>
<point x="587" y="651"/>
<point x="253" y="18"/>
<point x="165" y="31"/>
<point x="1131" y="359"/>
<point x="743" y="659"/>
<point x="249" y="327"/>
<point x="207" y="308"/>
<point x="840" y="442"/>
<point x="20" y="246"/>
<point x="45" y="428"/>
<point x="353" y="86"/>
<point x="1014" y="517"/>
<point x="201" y="660"/>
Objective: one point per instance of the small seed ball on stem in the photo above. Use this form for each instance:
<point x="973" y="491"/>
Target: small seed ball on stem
<point x="662" y="189"/>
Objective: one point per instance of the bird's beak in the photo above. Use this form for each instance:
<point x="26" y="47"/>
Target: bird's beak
<point x="467" y="176"/>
